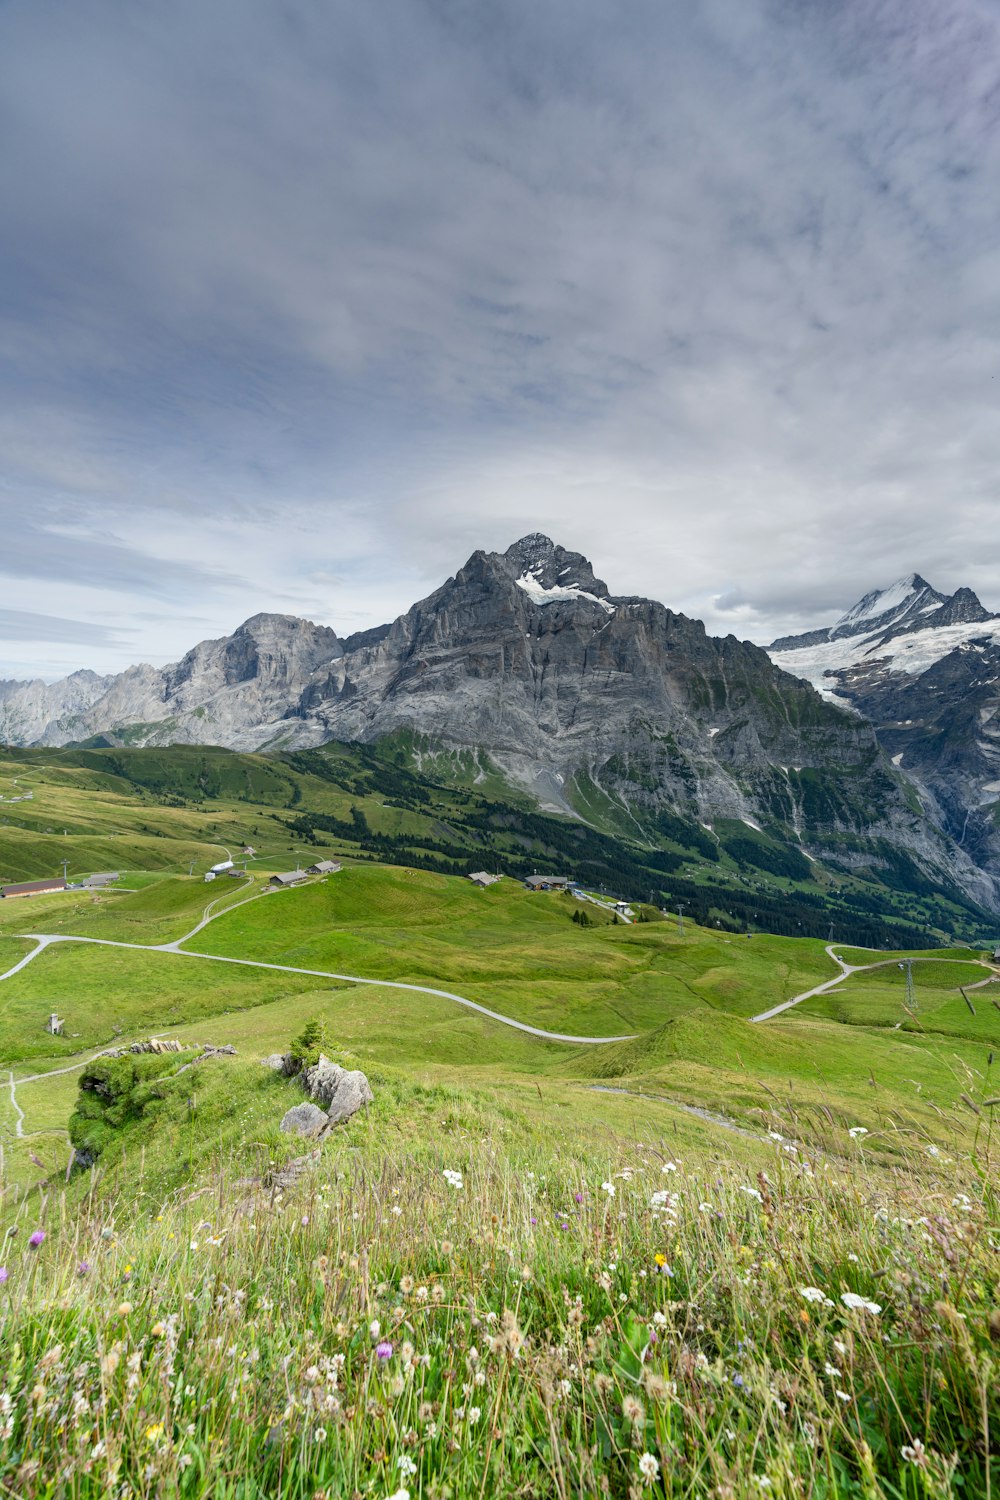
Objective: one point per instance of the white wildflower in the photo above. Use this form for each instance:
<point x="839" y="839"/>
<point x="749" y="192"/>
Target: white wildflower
<point x="860" y="1304"/>
<point x="649" y="1468"/>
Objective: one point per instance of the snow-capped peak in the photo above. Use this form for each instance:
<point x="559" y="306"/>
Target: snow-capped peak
<point x="888" y="607"/>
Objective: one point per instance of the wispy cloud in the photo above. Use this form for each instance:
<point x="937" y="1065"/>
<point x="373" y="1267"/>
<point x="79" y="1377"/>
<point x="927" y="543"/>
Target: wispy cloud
<point x="22" y="625"/>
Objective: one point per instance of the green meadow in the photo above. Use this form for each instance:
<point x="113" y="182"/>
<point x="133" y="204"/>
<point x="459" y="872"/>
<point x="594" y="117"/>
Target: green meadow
<point x="615" y="1269"/>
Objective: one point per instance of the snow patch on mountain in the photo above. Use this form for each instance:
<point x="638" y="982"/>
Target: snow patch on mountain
<point x="558" y="593"/>
<point x="911" y="653"/>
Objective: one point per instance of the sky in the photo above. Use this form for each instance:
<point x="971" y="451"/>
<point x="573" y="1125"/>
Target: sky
<point x="303" y="301"/>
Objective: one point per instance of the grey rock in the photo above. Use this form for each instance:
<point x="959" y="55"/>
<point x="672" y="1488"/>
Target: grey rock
<point x="525" y="661"/>
<point x="304" y="1119"/>
<point x="341" y="1093"/>
<point x="275" y="1061"/>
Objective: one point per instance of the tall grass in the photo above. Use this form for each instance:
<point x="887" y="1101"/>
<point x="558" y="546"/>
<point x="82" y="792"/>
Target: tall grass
<point x="460" y="1322"/>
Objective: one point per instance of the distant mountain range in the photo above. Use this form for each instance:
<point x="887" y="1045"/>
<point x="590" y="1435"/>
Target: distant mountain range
<point x="924" y="669"/>
<point x="524" y="671"/>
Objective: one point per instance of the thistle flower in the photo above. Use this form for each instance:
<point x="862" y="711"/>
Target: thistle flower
<point x="36" y="1239"/>
<point x="383" y="1350"/>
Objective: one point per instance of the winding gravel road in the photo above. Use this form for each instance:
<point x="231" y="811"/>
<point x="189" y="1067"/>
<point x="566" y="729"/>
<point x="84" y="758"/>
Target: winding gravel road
<point x="45" y="940"/>
<point x="846" y="970"/>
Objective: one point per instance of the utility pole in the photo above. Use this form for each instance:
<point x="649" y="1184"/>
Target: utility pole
<point x="680" y="916"/>
<point x="65" y="865"/>
<point x="911" y="999"/>
<point x="191" y="868"/>
<point x="829" y="936"/>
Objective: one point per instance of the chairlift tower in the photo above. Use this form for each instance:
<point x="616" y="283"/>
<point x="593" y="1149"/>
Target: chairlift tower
<point x="680" y="916"/>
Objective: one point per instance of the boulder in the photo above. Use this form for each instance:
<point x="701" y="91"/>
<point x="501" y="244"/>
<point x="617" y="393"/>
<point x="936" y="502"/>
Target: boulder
<point x="304" y="1119"/>
<point x="275" y="1061"/>
<point x="339" y="1092"/>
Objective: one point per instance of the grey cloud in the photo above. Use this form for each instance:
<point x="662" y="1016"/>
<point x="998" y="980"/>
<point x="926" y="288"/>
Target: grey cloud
<point x="22" y="625"/>
<point x="705" y="290"/>
<point x="100" y="562"/>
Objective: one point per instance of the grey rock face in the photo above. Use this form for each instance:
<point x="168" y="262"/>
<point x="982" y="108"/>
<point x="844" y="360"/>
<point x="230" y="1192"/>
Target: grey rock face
<point x="341" y="1093"/>
<point x="276" y="1061"/>
<point x="304" y="1119"/>
<point x="577" y="695"/>
<point x="234" y="691"/>
<point x="929" y="683"/>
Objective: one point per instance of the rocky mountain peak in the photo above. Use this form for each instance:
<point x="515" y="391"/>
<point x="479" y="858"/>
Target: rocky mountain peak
<point x="963" y="608"/>
<point x="550" y="574"/>
<point x="882" y="609"/>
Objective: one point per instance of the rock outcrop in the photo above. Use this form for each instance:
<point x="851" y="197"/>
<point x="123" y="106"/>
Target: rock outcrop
<point x="304" y="1119"/>
<point x="335" y="1093"/>
<point x="341" y="1093"/>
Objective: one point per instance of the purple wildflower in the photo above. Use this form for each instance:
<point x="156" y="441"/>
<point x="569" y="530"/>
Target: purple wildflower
<point x="738" y="1381"/>
<point x="578" y="1197"/>
<point x="534" y="1221"/>
<point x="4" y="1273"/>
<point x="36" y="1239"/>
<point x="83" y="1269"/>
<point x="384" y="1350"/>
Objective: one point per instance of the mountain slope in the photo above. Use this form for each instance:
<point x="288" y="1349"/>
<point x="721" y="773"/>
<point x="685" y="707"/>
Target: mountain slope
<point x="927" y="676"/>
<point x="614" y="708"/>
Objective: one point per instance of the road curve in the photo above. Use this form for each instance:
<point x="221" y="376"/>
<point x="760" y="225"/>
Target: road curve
<point x="846" y="970"/>
<point x="46" y="939"/>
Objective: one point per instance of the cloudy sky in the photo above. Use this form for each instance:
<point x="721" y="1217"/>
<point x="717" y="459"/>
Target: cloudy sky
<point x="301" y="301"/>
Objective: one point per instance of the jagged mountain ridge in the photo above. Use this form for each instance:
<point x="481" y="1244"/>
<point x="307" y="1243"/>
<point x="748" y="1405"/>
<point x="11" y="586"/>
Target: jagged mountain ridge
<point x="578" y="695"/>
<point x="927" y="676"/>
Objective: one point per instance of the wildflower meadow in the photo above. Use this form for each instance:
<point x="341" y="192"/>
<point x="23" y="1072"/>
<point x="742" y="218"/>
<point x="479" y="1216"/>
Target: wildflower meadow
<point x="462" y="1322"/>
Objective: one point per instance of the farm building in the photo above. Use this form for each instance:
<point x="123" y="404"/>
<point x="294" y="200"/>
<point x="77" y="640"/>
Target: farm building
<point x="287" y="877"/>
<point x="102" y="878"/>
<point x="548" y="882"/>
<point x="482" y="879"/>
<point x="33" y="888"/>
<point x="324" y="867"/>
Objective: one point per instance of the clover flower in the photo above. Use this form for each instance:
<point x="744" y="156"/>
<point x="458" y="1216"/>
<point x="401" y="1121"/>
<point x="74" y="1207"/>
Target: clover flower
<point x="649" y="1468"/>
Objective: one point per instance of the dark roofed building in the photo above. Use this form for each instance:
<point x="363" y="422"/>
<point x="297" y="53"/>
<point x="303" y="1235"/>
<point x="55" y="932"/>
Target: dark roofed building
<point x="33" y="888"/>
<point x="288" y="877"/>
<point x="547" y="882"/>
<point x="324" y="867"/>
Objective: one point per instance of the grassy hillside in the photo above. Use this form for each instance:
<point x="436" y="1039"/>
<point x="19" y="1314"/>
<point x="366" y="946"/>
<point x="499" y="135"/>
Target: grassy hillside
<point x="627" y="1252"/>
<point x="606" y="1298"/>
<point x="171" y="809"/>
